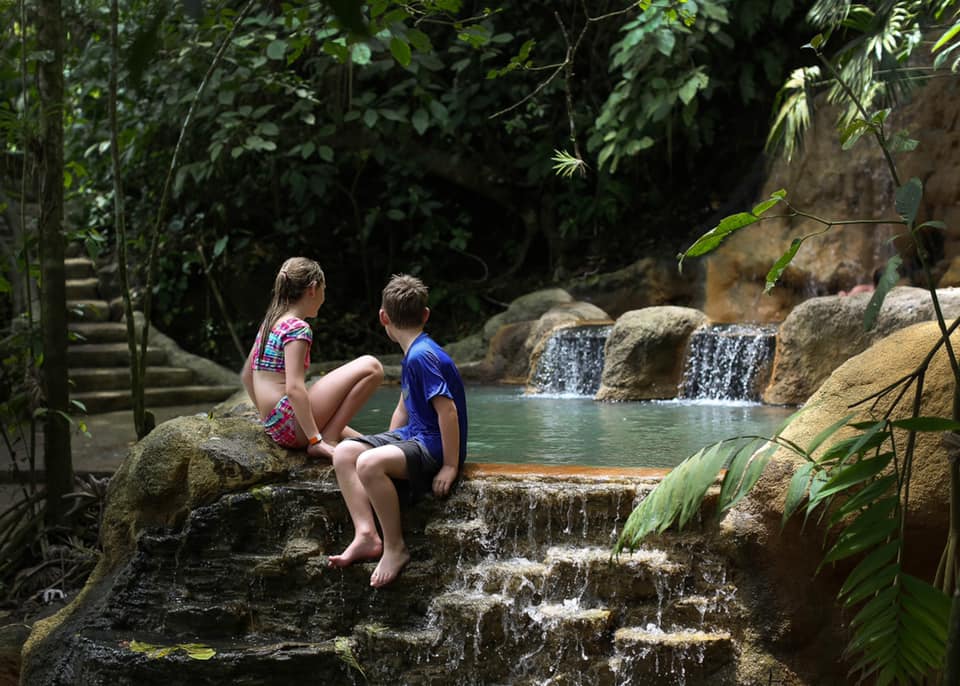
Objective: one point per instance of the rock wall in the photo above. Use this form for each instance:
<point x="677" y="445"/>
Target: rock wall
<point x="820" y="334"/>
<point x="837" y="184"/>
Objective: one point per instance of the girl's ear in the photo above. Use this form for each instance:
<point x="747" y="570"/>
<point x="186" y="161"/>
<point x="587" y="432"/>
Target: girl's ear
<point x="426" y="315"/>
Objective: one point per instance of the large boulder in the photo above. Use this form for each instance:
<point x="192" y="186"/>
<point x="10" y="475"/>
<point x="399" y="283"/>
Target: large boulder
<point x="822" y="333"/>
<point x="648" y="282"/>
<point x="525" y="308"/>
<point x="645" y="353"/>
<point x="837" y="184"/>
<point x="183" y="464"/>
<point x="785" y="561"/>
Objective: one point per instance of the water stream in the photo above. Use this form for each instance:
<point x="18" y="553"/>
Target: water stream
<point x="572" y="361"/>
<point x="728" y="362"/>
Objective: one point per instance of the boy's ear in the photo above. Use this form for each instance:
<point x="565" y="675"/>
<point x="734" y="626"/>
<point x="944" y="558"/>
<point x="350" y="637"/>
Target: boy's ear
<point x="384" y="319"/>
<point x="426" y="315"/>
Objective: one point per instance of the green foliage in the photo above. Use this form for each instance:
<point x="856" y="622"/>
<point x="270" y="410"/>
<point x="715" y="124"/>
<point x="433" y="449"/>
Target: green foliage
<point x="900" y="629"/>
<point x="712" y="239"/>
<point x="870" y="67"/>
<point x="675" y="58"/>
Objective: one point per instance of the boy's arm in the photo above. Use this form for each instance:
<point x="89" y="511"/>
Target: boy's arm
<point x="449" y="422"/>
<point x="399" y="417"/>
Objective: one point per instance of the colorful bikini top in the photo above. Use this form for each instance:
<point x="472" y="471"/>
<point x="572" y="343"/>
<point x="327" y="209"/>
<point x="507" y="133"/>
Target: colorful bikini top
<point x="283" y="332"/>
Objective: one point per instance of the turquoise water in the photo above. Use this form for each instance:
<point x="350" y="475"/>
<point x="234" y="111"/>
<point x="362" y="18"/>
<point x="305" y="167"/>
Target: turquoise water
<point x="507" y="426"/>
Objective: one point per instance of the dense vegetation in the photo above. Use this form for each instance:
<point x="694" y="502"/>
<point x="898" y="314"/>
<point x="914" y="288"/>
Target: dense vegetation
<point x="425" y="148"/>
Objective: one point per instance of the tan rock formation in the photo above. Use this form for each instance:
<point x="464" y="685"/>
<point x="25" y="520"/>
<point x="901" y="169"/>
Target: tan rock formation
<point x="648" y="282"/>
<point x="837" y="184"/>
<point x="785" y="561"/>
<point x="645" y="353"/>
<point x="820" y="334"/>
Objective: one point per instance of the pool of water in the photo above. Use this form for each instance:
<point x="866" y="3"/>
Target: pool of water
<point x="508" y="426"/>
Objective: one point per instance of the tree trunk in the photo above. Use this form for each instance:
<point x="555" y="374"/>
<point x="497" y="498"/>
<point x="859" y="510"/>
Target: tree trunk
<point x="53" y="291"/>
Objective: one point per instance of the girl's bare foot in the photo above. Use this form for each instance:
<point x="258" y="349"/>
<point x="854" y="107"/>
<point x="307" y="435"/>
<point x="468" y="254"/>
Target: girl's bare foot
<point x="391" y="564"/>
<point x="362" y="548"/>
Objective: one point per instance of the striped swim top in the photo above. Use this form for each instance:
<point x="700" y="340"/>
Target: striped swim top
<point x="283" y="332"/>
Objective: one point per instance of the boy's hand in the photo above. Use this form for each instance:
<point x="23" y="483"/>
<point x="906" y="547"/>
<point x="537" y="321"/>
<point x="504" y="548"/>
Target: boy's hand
<point x="444" y="480"/>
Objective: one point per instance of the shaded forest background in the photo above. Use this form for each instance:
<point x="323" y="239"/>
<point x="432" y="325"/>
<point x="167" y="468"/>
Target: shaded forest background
<point x="425" y="149"/>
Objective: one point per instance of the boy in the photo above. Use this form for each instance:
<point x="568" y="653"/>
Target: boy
<point x="425" y="446"/>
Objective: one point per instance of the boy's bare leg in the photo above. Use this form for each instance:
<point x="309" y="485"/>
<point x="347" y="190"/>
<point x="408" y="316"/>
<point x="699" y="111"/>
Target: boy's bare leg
<point x="339" y="394"/>
<point x="366" y="544"/>
<point x="375" y="467"/>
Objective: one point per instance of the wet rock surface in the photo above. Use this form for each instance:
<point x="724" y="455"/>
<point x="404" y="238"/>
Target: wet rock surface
<point x="511" y="582"/>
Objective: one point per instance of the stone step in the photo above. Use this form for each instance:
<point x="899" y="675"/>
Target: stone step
<point x="109" y="355"/>
<point x="88" y="310"/>
<point x="83" y="289"/>
<point x="650" y="655"/>
<point x="420" y="655"/>
<point x="118" y="378"/>
<point x="79" y="268"/>
<point x="98" y="332"/>
<point x="458" y="539"/>
<point x="97" y="402"/>
<point x="534" y="515"/>
<point x="130" y="658"/>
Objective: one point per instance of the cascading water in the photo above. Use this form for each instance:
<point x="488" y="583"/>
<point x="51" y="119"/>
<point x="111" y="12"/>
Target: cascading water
<point x="728" y="362"/>
<point x="512" y="582"/>
<point x="572" y="361"/>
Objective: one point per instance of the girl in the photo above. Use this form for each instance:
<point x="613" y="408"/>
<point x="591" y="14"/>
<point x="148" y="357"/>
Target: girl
<point x="274" y="371"/>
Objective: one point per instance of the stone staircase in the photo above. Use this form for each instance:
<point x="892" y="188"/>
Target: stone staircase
<point x="511" y="583"/>
<point x="99" y="356"/>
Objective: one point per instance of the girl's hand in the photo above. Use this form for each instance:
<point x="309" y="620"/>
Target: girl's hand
<point x="321" y="450"/>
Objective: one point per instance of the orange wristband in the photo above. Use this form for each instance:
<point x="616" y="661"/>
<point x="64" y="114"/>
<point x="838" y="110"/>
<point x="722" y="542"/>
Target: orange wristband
<point x="316" y="438"/>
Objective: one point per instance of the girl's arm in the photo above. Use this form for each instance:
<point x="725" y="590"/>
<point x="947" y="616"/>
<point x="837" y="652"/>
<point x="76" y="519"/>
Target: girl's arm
<point x="399" y="417"/>
<point x="246" y="378"/>
<point x="294" y="354"/>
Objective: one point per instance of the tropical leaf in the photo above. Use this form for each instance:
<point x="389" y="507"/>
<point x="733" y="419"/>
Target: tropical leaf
<point x="777" y="269"/>
<point x="828" y="432"/>
<point x="908" y="198"/>
<point x="715" y="236"/>
<point x="743" y="479"/>
<point x="799" y="483"/>
<point x="935" y="424"/>
<point x="900" y="634"/>
<point x="677" y="497"/>
<point x="867" y="569"/>
<point x="891" y="275"/>
<point x="847" y="476"/>
<point x="869" y="528"/>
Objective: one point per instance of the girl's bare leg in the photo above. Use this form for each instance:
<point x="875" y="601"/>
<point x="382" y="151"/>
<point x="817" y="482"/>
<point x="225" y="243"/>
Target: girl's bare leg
<point x="366" y="543"/>
<point x="339" y="394"/>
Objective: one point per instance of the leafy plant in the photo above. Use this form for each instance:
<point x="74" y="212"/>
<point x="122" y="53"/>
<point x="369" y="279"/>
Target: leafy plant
<point x="859" y="485"/>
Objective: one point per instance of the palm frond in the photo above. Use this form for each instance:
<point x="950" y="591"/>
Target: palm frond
<point x="793" y="112"/>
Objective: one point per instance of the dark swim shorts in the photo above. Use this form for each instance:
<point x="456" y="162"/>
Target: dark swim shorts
<point x="421" y="467"/>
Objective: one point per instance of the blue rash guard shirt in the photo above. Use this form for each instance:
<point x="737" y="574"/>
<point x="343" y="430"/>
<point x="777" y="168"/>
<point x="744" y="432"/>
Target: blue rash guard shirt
<point x="426" y="372"/>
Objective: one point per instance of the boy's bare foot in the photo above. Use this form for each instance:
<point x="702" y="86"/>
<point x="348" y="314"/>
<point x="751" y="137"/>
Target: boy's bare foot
<point x="360" y="549"/>
<point x="391" y="564"/>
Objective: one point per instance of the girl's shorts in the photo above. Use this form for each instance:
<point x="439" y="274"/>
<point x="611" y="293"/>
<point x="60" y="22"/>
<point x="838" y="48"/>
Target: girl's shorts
<point x="281" y="424"/>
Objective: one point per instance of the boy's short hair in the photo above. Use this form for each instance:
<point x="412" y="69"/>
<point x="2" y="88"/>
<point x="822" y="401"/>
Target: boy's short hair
<point x="404" y="300"/>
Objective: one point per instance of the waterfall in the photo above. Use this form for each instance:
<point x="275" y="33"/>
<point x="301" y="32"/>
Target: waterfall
<point x="572" y="361"/>
<point x="728" y="362"/>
